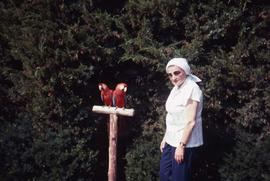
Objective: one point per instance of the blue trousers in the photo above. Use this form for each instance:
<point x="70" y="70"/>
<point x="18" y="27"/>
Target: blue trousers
<point x="170" y="170"/>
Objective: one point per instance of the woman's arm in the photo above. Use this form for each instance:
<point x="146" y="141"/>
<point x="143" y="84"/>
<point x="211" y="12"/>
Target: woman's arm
<point x="190" y="115"/>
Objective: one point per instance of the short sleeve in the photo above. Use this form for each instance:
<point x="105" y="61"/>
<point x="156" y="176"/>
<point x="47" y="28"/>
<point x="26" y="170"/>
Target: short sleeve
<point x="196" y="93"/>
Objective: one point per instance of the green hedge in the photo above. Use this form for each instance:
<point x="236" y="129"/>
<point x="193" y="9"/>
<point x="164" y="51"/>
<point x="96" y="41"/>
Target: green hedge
<point x="54" y="53"/>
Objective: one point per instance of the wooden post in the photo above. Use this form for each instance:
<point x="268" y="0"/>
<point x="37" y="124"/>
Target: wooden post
<point x="112" y="148"/>
<point x="113" y="112"/>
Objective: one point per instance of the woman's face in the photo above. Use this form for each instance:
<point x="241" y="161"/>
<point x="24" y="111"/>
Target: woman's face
<point x="176" y="75"/>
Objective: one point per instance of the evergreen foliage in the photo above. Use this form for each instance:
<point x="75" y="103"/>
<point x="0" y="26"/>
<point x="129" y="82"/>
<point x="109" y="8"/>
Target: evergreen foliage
<point x="250" y="158"/>
<point x="54" y="53"/>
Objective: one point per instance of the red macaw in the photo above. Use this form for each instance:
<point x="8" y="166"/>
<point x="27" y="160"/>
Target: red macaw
<point x="119" y="95"/>
<point x="106" y="94"/>
<point x="119" y="101"/>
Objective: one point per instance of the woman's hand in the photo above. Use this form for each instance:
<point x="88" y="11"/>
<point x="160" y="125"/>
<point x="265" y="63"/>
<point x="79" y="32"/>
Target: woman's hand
<point x="162" y="144"/>
<point x="179" y="154"/>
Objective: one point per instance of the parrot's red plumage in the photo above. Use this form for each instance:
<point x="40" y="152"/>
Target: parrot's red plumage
<point x="119" y="101"/>
<point x="119" y="95"/>
<point x="106" y="94"/>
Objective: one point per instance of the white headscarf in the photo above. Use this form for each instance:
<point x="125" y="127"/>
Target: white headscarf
<point x="183" y="64"/>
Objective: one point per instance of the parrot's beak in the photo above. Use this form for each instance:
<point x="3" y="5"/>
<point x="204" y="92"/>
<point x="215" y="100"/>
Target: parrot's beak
<point x="125" y="89"/>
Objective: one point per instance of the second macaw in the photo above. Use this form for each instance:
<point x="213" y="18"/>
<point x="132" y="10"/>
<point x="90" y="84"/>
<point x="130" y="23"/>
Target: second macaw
<point x="119" y="95"/>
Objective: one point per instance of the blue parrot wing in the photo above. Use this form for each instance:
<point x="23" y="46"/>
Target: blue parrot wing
<point x="102" y="98"/>
<point x="113" y="100"/>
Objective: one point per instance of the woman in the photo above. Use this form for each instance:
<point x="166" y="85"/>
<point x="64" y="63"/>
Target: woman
<point x="183" y="123"/>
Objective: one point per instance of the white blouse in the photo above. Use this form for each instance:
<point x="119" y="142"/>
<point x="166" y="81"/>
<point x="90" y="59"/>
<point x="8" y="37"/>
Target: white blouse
<point x="175" y="119"/>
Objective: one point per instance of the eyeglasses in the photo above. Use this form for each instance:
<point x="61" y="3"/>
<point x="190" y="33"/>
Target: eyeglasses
<point x="176" y="73"/>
